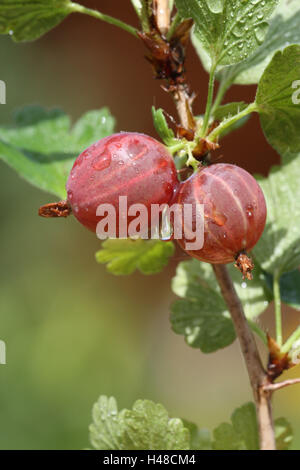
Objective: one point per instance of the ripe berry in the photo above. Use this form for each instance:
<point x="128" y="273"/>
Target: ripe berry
<point x="125" y="164"/>
<point x="234" y="213"/>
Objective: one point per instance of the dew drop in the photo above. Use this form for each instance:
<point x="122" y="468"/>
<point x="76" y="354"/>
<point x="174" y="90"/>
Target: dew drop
<point x="260" y="32"/>
<point x="238" y="31"/>
<point x="244" y="285"/>
<point x="102" y="161"/>
<point x="218" y="218"/>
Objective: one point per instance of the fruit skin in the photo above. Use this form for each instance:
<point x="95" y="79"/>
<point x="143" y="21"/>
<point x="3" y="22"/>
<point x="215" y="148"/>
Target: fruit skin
<point x="124" y="164"/>
<point x="234" y="211"/>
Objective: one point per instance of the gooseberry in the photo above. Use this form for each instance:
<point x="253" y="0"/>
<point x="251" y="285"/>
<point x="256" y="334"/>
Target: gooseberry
<point x="234" y="213"/>
<point x="125" y="164"/>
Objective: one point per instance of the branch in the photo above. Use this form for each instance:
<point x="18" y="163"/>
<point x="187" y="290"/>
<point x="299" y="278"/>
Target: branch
<point x="257" y="375"/>
<point x="279" y="385"/>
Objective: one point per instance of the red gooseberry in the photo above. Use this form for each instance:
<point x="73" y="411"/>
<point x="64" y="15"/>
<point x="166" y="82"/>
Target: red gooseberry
<point x="125" y="164"/>
<point x="234" y="211"/>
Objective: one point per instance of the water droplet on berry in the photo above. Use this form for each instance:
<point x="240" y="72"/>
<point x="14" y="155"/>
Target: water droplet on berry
<point x="102" y="162"/>
<point x="218" y="218"/>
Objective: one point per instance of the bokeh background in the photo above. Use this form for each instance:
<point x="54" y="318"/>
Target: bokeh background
<point x="72" y="330"/>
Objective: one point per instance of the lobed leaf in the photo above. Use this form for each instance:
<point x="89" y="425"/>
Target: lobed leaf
<point x="242" y="432"/>
<point x="42" y="145"/>
<point x="146" y="427"/>
<point x="123" y="257"/>
<point x="284" y="30"/>
<point x="228" y="30"/>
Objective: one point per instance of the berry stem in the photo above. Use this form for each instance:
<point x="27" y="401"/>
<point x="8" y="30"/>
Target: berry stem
<point x="225" y="83"/>
<point x="228" y="122"/>
<point x="145" y="22"/>
<point x="277" y="304"/>
<point x="76" y="8"/>
<point x="209" y="102"/>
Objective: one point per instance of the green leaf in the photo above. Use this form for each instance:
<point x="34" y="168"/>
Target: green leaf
<point x="108" y="427"/>
<point x="283" y="434"/>
<point x="166" y="134"/>
<point x="278" y="104"/>
<point x="123" y="257"/>
<point x="284" y="30"/>
<point x="241" y="434"/>
<point x="149" y="427"/>
<point x="42" y="145"/>
<point x="201" y="315"/>
<point x="278" y="250"/>
<point x="146" y="427"/>
<point x="200" y="438"/>
<point x="228" y="30"/>
<point x="26" y="20"/>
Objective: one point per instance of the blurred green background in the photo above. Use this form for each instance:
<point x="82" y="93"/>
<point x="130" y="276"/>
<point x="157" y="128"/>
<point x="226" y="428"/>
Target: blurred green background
<point x="72" y="330"/>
